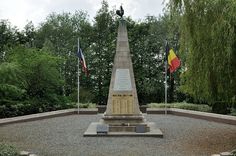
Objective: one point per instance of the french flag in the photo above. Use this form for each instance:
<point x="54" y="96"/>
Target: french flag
<point x="82" y="61"/>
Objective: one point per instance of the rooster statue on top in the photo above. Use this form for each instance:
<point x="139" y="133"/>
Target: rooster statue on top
<point x="120" y="12"/>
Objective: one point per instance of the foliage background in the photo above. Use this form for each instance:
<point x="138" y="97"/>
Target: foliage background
<point x="38" y="65"/>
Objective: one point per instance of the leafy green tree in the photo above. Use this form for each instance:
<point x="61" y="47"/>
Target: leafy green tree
<point x="147" y="44"/>
<point x="30" y="34"/>
<point x="11" y="82"/>
<point x="208" y="41"/>
<point x="60" y="32"/>
<point x="30" y="82"/>
<point x="40" y="70"/>
<point x="7" y="38"/>
<point x="102" y="51"/>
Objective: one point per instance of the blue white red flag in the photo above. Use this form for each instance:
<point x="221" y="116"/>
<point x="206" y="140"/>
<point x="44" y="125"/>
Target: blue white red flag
<point x="82" y="61"/>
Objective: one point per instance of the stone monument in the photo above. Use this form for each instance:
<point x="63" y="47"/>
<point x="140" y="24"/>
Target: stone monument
<point x="123" y="116"/>
<point x="122" y="106"/>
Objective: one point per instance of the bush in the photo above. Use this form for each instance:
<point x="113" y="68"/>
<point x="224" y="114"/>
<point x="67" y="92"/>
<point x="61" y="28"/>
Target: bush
<point x="7" y="150"/>
<point x="2" y="111"/>
<point x="234" y="153"/>
<point x="87" y="105"/>
<point x="11" y="92"/>
<point x="221" y="107"/>
<point x="9" y="108"/>
<point x="233" y="112"/>
<point x="195" y="107"/>
<point x="234" y="105"/>
<point x="159" y="105"/>
<point x="187" y="106"/>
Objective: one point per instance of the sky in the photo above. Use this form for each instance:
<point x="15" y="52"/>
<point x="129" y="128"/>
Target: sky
<point x="19" y="12"/>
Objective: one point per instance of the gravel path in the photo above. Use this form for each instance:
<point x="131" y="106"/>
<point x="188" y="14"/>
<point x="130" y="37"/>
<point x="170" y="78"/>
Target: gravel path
<point x="63" y="136"/>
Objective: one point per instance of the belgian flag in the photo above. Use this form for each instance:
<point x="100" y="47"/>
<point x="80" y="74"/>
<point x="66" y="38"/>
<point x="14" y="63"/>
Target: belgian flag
<point x="173" y="60"/>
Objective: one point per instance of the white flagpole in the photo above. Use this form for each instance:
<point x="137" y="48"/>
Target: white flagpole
<point x="165" y="86"/>
<point x="166" y="79"/>
<point x="78" y="75"/>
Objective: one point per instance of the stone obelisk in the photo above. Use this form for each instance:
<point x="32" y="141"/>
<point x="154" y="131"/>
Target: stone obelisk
<point x="122" y="99"/>
<point x="123" y="116"/>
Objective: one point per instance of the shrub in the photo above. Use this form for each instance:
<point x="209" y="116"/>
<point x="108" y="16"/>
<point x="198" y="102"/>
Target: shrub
<point x="7" y="150"/>
<point x="234" y="153"/>
<point x="87" y="105"/>
<point x="159" y="105"/>
<point x="220" y="107"/>
<point x="195" y="107"/>
<point x="187" y="106"/>
<point x="233" y="112"/>
<point x="2" y="111"/>
<point x="234" y="105"/>
<point x="9" y="108"/>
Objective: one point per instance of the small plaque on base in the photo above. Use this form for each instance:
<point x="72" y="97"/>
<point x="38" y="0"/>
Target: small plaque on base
<point x="102" y="129"/>
<point x="140" y="129"/>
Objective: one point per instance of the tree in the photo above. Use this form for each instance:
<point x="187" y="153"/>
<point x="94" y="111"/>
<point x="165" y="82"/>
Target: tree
<point x="30" y="34"/>
<point x="61" y="32"/>
<point x="208" y="41"/>
<point x="11" y="82"/>
<point x="41" y="76"/>
<point x="102" y="52"/>
<point x="7" y="34"/>
<point x="147" y="44"/>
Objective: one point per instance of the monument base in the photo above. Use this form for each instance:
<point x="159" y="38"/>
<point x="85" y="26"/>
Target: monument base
<point x="147" y="129"/>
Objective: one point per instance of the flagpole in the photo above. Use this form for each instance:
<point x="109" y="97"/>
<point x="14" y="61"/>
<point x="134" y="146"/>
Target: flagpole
<point x="165" y="86"/>
<point x="78" y="76"/>
<point x="166" y="79"/>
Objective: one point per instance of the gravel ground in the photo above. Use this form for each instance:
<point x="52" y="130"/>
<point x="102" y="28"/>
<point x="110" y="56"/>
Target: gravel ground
<point x="63" y="136"/>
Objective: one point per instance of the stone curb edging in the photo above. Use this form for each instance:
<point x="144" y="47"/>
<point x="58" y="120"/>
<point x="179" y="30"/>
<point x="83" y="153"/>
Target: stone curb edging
<point x="226" y="153"/>
<point x="227" y="119"/>
<point x="195" y="114"/>
<point x="173" y="111"/>
<point x="26" y="153"/>
<point x="46" y="115"/>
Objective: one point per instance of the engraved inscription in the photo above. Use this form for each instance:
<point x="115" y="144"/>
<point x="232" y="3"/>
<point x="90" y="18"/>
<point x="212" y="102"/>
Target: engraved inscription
<point x="122" y="80"/>
<point x="122" y="104"/>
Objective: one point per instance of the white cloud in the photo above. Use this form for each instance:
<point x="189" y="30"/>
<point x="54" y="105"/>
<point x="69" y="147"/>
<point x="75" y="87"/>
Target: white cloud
<point x="20" y="11"/>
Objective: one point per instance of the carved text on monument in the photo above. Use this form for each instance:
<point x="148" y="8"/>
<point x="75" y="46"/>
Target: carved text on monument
<point x="122" y="80"/>
<point x="122" y="104"/>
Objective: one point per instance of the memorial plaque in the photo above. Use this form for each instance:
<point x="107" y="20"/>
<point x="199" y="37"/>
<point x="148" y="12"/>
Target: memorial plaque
<point x="122" y="80"/>
<point x="102" y="129"/>
<point x="140" y="129"/>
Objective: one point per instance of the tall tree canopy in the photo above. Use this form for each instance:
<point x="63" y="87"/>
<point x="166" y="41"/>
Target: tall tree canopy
<point x="208" y="39"/>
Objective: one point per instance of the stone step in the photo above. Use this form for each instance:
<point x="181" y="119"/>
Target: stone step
<point x="226" y="154"/>
<point x="127" y="128"/>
